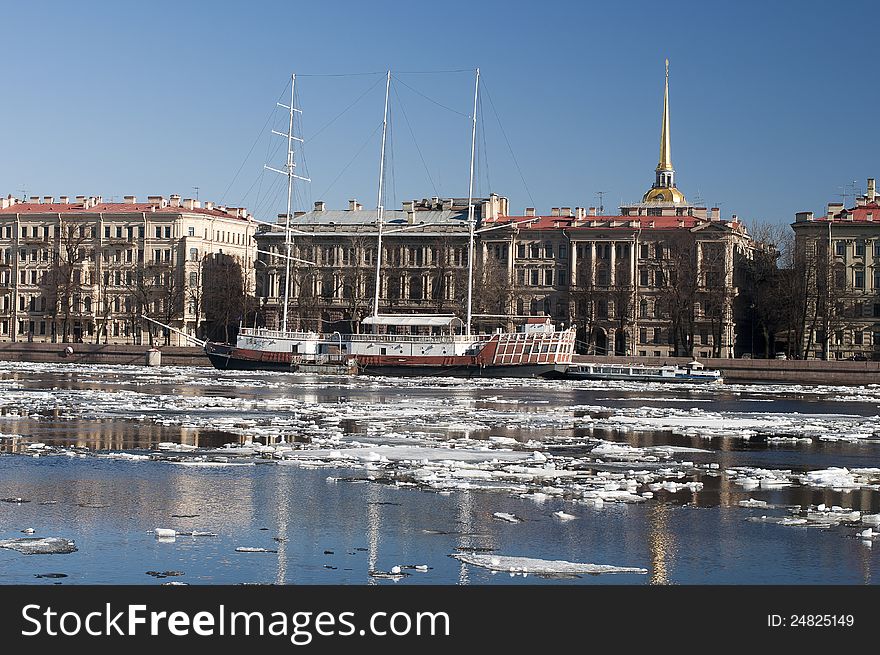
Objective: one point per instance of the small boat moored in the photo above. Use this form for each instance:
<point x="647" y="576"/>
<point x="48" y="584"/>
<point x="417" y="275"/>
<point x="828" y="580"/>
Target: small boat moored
<point x="692" y="372"/>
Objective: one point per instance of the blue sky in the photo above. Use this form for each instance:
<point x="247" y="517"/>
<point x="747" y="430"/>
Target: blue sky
<point x="772" y="103"/>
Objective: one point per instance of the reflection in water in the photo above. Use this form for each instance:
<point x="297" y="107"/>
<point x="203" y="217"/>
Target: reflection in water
<point x="662" y="544"/>
<point x="465" y="539"/>
<point x="374" y="527"/>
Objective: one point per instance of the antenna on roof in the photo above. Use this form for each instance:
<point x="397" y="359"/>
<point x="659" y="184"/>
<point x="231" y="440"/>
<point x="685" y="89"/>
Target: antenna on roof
<point x="23" y="193"/>
<point x="601" y="195"/>
<point x="196" y="189"/>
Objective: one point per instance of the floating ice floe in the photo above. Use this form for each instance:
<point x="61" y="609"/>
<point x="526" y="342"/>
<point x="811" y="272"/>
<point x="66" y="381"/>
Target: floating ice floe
<point x="564" y="516"/>
<point x="40" y="546"/>
<point x="504" y="516"/>
<point x="253" y="549"/>
<point x="530" y="565"/>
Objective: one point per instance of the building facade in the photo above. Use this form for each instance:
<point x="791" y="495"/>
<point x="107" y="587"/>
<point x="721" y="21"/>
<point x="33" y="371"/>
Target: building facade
<point x="837" y="260"/>
<point x="333" y="266"/>
<point x="658" y="279"/>
<point x="88" y="270"/>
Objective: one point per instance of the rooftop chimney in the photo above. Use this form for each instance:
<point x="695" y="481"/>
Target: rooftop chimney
<point x="530" y="211"/>
<point x="579" y="212"/>
<point x="35" y="199"/>
<point x="834" y="208"/>
<point x="872" y="190"/>
<point x="352" y="205"/>
<point x="554" y="211"/>
<point x="803" y="216"/>
<point x="174" y="201"/>
<point x="715" y="214"/>
<point x="591" y="211"/>
<point x="319" y="205"/>
<point x="129" y="200"/>
<point x="65" y="200"/>
<point x="158" y="201"/>
<point x="189" y="203"/>
<point x="565" y="211"/>
<point x="209" y="205"/>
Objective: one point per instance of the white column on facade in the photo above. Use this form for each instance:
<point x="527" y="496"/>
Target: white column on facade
<point x="592" y="280"/>
<point x="574" y="261"/>
<point x="612" y="277"/>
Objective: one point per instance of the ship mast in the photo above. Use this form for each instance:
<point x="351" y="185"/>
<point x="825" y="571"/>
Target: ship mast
<point x="289" y="168"/>
<point x="471" y="210"/>
<point x="380" y="210"/>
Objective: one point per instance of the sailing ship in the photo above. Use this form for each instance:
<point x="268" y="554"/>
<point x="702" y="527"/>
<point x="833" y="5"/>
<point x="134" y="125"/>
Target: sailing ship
<point x="398" y="344"/>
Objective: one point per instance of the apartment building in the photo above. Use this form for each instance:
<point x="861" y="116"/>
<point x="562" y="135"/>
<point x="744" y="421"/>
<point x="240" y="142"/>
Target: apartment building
<point x="83" y="269"/>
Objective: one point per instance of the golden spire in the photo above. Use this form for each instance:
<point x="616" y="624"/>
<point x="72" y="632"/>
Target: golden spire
<point x="665" y="151"/>
<point x="664" y="185"/>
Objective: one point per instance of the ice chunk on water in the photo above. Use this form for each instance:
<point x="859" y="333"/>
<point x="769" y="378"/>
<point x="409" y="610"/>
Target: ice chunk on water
<point x="504" y="516"/>
<point x="40" y="546"/>
<point x="564" y="516"/>
<point x="539" y="566"/>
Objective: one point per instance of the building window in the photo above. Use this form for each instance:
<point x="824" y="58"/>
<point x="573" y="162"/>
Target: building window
<point x="547" y="306"/>
<point x="643" y="277"/>
<point x="521" y="250"/>
<point x="548" y="277"/>
<point x="167" y="231"/>
<point x="158" y="231"/>
<point x="548" y="250"/>
<point x="191" y="231"/>
<point x="658" y="334"/>
<point x="535" y="251"/>
<point x="840" y="248"/>
<point x="859" y="279"/>
<point x="194" y="254"/>
<point x="562" y="278"/>
<point x="643" y="335"/>
<point x="643" y="251"/>
<point x="118" y="231"/>
<point x="563" y="251"/>
<point x="106" y="231"/>
<point x="534" y="277"/>
<point x="643" y="309"/>
<point x="860" y="248"/>
<point x="858" y="338"/>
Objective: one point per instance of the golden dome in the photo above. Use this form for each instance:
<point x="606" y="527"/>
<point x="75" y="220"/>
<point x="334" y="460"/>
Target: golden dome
<point x="664" y="194"/>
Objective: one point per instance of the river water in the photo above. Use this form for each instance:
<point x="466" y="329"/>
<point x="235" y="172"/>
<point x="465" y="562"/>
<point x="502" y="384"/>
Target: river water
<point x="334" y="480"/>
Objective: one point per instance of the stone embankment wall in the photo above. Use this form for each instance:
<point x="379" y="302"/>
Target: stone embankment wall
<point x="91" y="353"/>
<point x="811" y="371"/>
<point x="735" y="370"/>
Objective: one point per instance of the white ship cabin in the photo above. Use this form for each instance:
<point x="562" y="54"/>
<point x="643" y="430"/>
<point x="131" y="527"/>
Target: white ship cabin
<point x="414" y="324"/>
<point x="423" y="335"/>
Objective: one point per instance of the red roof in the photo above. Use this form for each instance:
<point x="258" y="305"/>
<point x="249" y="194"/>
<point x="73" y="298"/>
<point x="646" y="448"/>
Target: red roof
<point x="855" y="214"/>
<point x="107" y="208"/>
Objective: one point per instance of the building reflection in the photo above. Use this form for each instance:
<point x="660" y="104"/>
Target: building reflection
<point x="662" y="544"/>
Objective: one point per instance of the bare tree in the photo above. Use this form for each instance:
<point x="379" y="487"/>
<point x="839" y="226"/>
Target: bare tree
<point x="224" y="294"/>
<point x="63" y="281"/>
